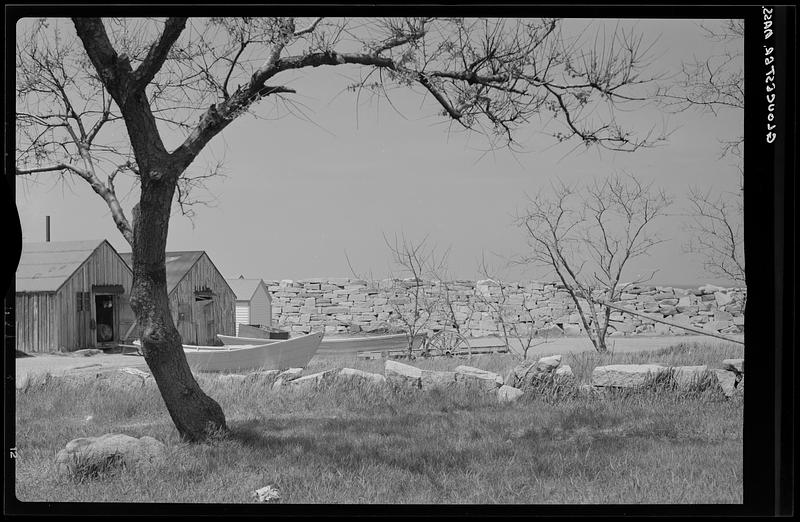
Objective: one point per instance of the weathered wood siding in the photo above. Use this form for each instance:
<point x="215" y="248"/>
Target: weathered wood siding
<point x="36" y="321"/>
<point x="51" y="321"/>
<point x="260" y="307"/>
<point x="189" y="316"/>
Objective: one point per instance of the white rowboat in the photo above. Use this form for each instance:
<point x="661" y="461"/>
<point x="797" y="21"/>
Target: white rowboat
<point x="276" y="355"/>
<point x="340" y="345"/>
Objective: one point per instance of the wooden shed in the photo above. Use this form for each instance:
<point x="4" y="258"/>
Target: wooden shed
<point x="253" y="302"/>
<point x="71" y="295"/>
<point x="201" y="301"/>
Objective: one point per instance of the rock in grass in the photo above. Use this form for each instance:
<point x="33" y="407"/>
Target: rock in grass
<point x="687" y="376"/>
<point x="269" y="494"/>
<point x="88" y="456"/>
<point x="262" y="375"/>
<point x="508" y="393"/>
<point x="23" y="381"/>
<point x="526" y="374"/>
<point x="591" y="391"/>
<point x="290" y="374"/>
<point x="485" y="379"/>
<point x="231" y="378"/>
<point x="351" y="374"/>
<point x="518" y="375"/>
<point x="626" y="375"/>
<point x="734" y="365"/>
<point x="436" y="379"/>
<point x="564" y="376"/>
<point x="127" y="379"/>
<point x="726" y="381"/>
<point x="548" y="364"/>
<point x="308" y="382"/>
<point x="402" y="374"/>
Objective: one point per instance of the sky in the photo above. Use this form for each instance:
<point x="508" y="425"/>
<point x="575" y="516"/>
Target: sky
<point x="300" y="198"/>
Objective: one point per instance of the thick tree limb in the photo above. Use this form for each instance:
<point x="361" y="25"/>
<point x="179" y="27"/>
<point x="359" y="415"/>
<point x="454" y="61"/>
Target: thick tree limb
<point x="114" y="71"/>
<point x="104" y="191"/>
<point x="158" y="53"/>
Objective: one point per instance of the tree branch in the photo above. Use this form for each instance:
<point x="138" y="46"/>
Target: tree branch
<point x="114" y="70"/>
<point x="158" y="53"/>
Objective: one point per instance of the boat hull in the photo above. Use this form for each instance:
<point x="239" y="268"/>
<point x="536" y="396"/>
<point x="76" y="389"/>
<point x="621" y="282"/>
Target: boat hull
<point x="277" y="355"/>
<point x="342" y="345"/>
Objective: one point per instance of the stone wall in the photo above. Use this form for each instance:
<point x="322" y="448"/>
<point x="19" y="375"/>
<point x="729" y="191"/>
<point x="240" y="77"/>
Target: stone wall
<point x="343" y="305"/>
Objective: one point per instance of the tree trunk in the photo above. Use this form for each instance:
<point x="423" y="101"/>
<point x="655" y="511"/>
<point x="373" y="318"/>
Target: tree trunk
<point x="194" y="414"/>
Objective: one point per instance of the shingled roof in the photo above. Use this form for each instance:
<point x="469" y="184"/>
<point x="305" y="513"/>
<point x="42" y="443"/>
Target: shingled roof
<point x="244" y="288"/>
<point x="177" y="263"/>
<point x="44" y="267"/>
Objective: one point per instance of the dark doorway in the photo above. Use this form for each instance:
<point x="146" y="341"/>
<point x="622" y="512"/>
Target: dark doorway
<point x="205" y="329"/>
<point x="104" y="317"/>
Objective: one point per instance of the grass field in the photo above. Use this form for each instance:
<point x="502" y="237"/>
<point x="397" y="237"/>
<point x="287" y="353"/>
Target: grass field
<point x="345" y="444"/>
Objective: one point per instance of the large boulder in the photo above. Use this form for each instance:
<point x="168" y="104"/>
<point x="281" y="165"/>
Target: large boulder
<point x="726" y="381"/>
<point x="734" y="365"/>
<point x="564" y="376"/>
<point x="126" y="379"/>
<point x="231" y="378"/>
<point x="401" y="374"/>
<point x="263" y="375"/>
<point x="309" y="382"/>
<point x="286" y="377"/>
<point x="484" y="379"/>
<point x="91" y="455"/>
<point x="508" y="393"/>
<point x="353" y="375"/>
<point x="518" y="374"/>
<point x="437" y="379"/>
<point x="687" y="376"/>
<point x="548" y="364"/>
<point x="527" y="374"/>
<point x="627" y="375"/>
<point x="27" y="381"/>
<point x="290" y="374"/>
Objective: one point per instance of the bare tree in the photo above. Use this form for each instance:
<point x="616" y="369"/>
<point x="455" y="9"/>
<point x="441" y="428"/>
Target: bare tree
<point x="712" y="85"/>
<point x="588" y="236"/>
<point x="718" y="232"/>
<point x="144" y="97"/>
<point x="416" y="261"/>
<point x="512" y="326"/>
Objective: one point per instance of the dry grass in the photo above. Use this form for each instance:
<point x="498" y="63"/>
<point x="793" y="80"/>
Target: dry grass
<point x="342" y="443"/>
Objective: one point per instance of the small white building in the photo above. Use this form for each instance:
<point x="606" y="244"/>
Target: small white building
<point x="253" y="302"/>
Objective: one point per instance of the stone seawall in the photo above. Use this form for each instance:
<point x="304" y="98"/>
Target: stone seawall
<point x="343" y="305"/>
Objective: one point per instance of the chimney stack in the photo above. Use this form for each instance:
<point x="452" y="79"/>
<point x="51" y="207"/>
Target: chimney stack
<point x="47" y="229"/>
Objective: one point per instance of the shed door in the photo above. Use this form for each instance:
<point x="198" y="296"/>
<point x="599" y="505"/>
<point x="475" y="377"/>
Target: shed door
<point x="105" y="318"/>
<point x="205" y="328"/>
<point x="83" y="316"/>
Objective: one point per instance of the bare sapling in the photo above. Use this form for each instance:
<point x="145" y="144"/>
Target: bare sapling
<point x="588" y="236"/>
